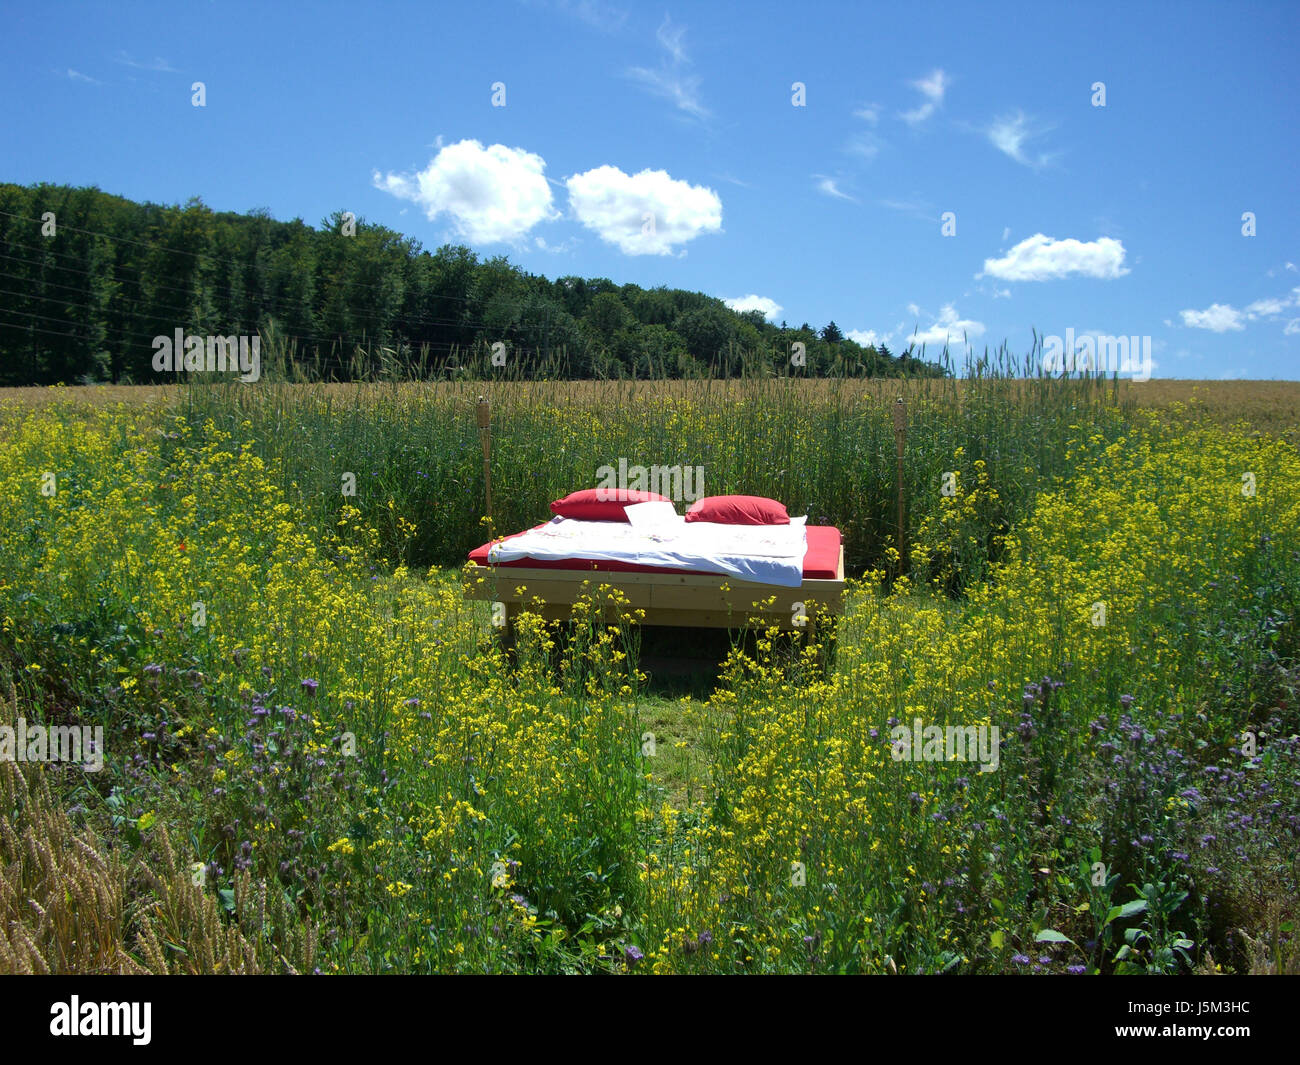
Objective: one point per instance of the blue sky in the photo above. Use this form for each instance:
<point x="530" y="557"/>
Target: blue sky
<point x="663" y="145"/>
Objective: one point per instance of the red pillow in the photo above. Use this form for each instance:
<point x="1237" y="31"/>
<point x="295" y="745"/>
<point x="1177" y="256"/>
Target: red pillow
<point x="602" y="504"/>
<point x="739" y="510"/>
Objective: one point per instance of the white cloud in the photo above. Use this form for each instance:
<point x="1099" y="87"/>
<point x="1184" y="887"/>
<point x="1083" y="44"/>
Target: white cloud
<point x="491" y="194"/>
<point x="643" y="214"/>
<point x="913" y="310"/>
<point x="867" y="337"/>
<point x="566" y="245"/>
<point x="932" y="87"/>
<point x="1266" y="306"/>
<point x="599" y="16"/>
<point x="1292" y="327"/>
<point x="864" y="144"/>
<point x="77" y="75"/>
<point x="1006" y="232"/>
<point x="670" y="79"/>
<point x="919" y="208"/>
<point x="1009" y="135"/>
<point x="1042" y="258"/>
<point x="828" y="187"/>
<point x="157" y="63"/>
<point x="734" y="180"/>
<point x="670" y="37"/>
<point x="1222" y="317"/>
<point x="769" y="307"/>
<point x="950" y="328"/>
<point x="1218" y="318"/>
<point x="1290" y="266"/>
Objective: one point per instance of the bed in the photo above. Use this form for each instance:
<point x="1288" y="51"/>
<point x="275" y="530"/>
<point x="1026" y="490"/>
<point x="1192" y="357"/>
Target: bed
<point x="696" y="592"/>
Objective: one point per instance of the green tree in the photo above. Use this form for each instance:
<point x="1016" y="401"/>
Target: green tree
<point x="607" y="316"/>
<point x="707" y="332"/>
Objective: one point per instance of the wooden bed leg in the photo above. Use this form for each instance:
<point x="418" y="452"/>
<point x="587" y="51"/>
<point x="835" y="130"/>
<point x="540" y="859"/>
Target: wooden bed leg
<point x="506" y="633"/>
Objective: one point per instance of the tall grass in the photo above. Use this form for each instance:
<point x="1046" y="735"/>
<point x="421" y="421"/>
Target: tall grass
<point x="825" y="448"/>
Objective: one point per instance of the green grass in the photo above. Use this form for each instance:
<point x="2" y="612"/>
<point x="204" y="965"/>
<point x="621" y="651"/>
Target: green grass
<point x="824" y="448"/>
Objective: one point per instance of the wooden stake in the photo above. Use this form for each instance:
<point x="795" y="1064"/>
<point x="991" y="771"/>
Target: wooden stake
<point x="485" y="438"/>
<point x="900" y="440"/>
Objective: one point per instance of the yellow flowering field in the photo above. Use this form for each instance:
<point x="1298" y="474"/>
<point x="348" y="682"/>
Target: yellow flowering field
<point x="1061" y="739"/>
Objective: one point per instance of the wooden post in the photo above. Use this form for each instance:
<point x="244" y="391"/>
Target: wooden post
<point x="485" y="438"/>
<point x="900" y="440"/>
<point x="508" y="632"/>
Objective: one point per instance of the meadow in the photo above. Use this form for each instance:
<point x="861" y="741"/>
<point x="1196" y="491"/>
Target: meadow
<point x="318" y="758"/>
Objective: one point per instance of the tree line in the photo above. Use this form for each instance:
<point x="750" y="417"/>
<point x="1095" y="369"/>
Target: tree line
<point x="88" y="280"/>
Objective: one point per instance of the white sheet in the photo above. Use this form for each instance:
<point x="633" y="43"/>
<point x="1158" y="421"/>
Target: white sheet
<point x="765" y="554"/>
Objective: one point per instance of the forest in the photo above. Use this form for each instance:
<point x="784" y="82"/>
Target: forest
<point x="88" y="280"/>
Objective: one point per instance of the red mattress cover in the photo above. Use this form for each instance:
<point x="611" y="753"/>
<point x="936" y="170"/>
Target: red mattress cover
<point x="821" y="562"/>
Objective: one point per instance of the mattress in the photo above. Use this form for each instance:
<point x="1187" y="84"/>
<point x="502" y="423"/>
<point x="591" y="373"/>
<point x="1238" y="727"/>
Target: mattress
<point x="821" y="560"/>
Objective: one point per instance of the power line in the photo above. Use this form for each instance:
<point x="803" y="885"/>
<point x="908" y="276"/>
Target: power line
<point x="220" y="259"/>
<point x="342" y="343"/>
<point x="232" y="296"/>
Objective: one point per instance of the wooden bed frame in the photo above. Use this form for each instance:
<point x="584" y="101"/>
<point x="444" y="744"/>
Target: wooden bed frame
<point x="696" y="600"/>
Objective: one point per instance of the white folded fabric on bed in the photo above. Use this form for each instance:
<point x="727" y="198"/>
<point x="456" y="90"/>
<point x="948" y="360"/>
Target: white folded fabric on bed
<point x="765" y="554"/>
